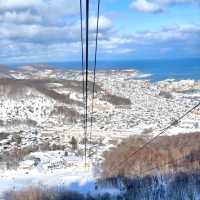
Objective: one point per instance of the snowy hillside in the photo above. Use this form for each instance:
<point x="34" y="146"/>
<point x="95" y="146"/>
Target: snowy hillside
<point x="41" y="114"/>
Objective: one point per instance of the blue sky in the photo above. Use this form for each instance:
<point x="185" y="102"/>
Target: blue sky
<point x="49" y="30"/>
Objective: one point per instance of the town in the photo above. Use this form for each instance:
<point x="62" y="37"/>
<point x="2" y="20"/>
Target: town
<point x="42" y="116"/>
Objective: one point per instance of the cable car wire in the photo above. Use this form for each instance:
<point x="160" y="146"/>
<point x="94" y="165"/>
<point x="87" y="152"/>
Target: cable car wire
<point x="174" y="123"/>
<point x="95" y="65"/>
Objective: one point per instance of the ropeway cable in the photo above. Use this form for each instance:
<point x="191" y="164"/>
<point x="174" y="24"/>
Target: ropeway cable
<point x="95" y="65"/>
<point x="83" y="70"/>
<point x="86" y="76"/>
<point x="82" y="53"/>
<point x="172" y="162"/>
<point x="181" y="159"/>
<point x="174" y="123"/>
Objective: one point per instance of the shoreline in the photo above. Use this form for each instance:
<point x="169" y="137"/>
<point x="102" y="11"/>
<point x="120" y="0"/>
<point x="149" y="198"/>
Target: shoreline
<point x="162" y="69"/>
<point x="123" y="107"/>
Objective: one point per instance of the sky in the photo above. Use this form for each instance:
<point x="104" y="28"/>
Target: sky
<point x="49" y="30"/>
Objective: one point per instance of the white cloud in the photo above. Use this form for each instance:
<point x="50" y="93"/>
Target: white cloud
<point x="51" y="11"/>
<point x="19" y="17"/>
<point x="120" y="51"/>
<point x="38" y="33"/>
<point x="168" y="2"/>
<point x="49" y="29"/>
<point x="36" y="42"/>
<point x="40" y="21"/>
<point x="155" y="43"/>
<point x="6" y="5"/>
<point x="153" y="6"/>
<point x="145" y="6"/>
<point x="58" y="11"/>
<point x="104" y="23"/>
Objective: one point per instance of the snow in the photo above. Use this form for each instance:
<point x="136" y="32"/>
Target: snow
<point x="27" y="163"/>
<point x="37" y="109"/>
<point x="143" y="76"/>
<point x="74" y="96"/>
<point x="148" y="111"/>
<point x="74" y="179"/>
<point x="22" y="178"/>
<point x="28" y="67"/>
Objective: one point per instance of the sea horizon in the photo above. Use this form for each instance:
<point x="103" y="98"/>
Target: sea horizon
<point x="152" y="69"/>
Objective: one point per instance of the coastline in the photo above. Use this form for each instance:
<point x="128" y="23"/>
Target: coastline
<point x="161" y="69"/>
<point x="153" y="107"/>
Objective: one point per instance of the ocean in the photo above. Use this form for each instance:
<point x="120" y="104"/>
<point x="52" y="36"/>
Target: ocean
<point x="154" y="70"/>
